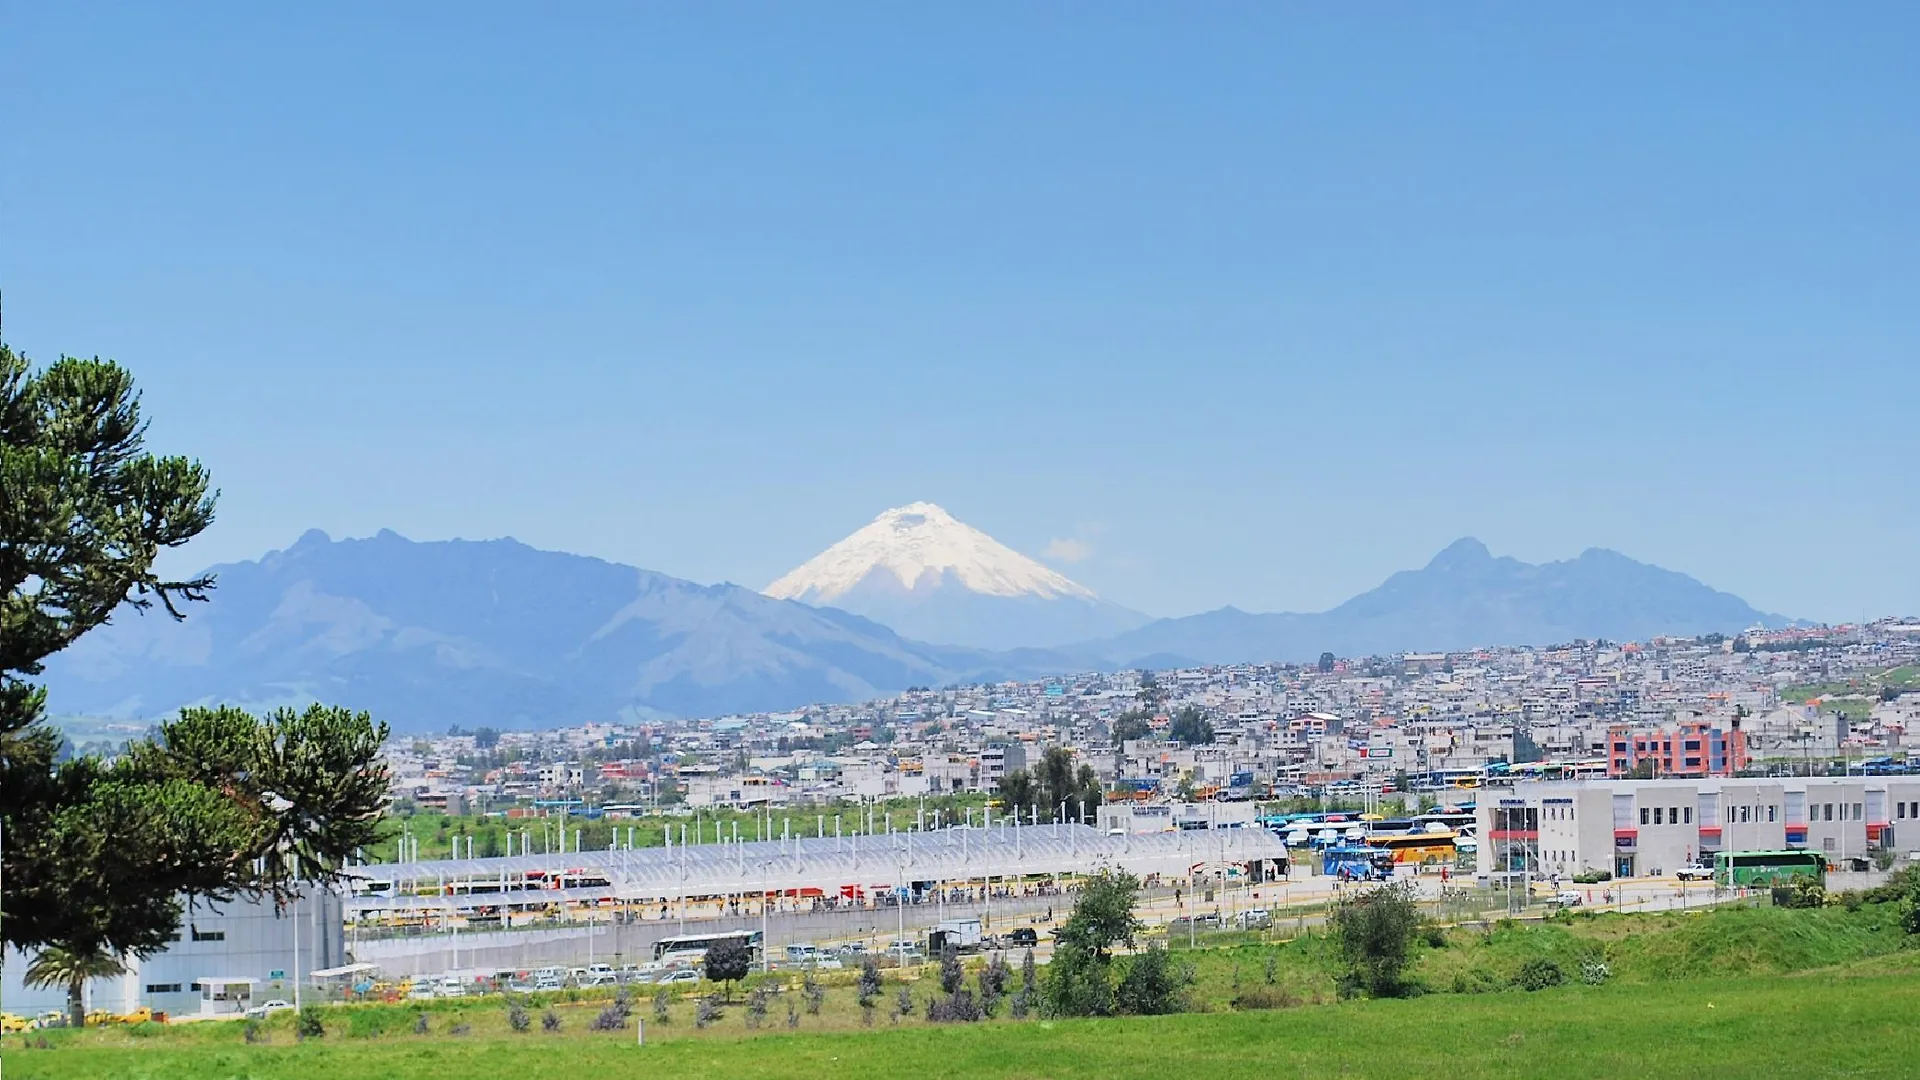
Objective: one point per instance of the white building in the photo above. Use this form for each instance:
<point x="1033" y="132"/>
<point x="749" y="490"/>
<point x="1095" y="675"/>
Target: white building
<point x="1632" y="828"/>
<point x="232" y="943"/>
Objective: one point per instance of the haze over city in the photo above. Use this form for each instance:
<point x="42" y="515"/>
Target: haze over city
<point x="1247" y="307"/>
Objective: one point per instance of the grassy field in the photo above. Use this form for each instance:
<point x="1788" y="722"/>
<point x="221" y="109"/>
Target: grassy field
<point x="1828" y="990"/>
<point x="1809" y="1025"/>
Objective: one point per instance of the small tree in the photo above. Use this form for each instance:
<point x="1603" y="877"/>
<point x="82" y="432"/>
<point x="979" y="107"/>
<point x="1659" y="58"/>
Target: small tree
<point x="871" y="980"/>
<point x="728" y="961"/>
<point x="1078" y="981"/>
<point x="1376" y="931"/>
<point x="311" y="1024"/>
<point x="952" y="975"/>
<point x="994" y="978"/>
<point x="1153" y="985"/>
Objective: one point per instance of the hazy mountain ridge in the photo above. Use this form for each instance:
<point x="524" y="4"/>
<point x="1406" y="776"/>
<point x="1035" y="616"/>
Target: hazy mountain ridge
<point x="1464" y="598"/>
<point x="490" y="632"/>
<point x="494" y="632"/>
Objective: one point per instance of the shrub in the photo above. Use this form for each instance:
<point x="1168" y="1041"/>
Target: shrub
<point x="1273" y="968"/>
<point x="1801" y="892"/>
<point x="1265" y="997"/>
<point x="870" y="979"/>
<point x="460" y="1029"/>
<point x="757" y="1007"/>
<point x="1538" y="974"/>
<point x="311" y="1024"/>
<point x="793" y="1016"/>
<point x="549" y="1020"/>
<point x="1153" y="985"/>
<point x="420" y="1024"/>
<point x="1375" y="932"/>
<point x="255" y="1033"/>
<point x="518" y="1018"/>
<point x="813" y="994"/>
<point x="707" y="1010"/>
<point x="1595" y="972"/>
<point x="610" y="1019"/>
<point x="1592" y="877"/>
<point x="662" y="1006"/>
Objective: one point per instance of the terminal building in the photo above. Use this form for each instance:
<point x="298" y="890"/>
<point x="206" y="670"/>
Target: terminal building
<point x="224" y="958"/>
<point x="1632" y="828"/>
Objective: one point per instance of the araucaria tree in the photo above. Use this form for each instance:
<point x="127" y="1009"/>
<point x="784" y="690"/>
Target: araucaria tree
<point x="100" y="856"/>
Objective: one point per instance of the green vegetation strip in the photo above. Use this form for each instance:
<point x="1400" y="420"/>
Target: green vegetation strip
<point x="1811" y="1025"/>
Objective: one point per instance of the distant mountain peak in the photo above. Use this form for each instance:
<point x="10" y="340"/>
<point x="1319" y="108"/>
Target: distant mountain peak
<point x="1465" y="551"/>
<point x="920" y="546"/>
<point x="933" y="577"/>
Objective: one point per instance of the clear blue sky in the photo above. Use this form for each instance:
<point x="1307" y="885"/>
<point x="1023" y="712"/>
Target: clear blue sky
<point x="1259" y="302"/>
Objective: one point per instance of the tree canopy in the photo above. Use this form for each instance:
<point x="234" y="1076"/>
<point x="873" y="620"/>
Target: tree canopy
<point x="1190" y="728"/>
<point x="1051" y="784"/>
<point x="100" y="855"/>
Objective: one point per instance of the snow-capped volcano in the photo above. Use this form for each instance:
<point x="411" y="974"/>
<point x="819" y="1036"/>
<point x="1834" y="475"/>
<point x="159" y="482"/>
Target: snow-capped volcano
<point x="933" y="577"/>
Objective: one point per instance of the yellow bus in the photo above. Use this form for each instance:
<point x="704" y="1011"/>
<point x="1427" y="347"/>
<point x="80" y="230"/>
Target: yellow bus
<point x="1416" y="849"/>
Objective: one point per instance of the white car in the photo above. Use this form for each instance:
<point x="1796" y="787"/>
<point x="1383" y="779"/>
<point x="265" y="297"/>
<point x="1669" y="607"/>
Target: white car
<point x="1567" y="898"/>
<point x="268" y="1008"/>
<point x="681" y="977"/>
<point x="1694" y="873"/>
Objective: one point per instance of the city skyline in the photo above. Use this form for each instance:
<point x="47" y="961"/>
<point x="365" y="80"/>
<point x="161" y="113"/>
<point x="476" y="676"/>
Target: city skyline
<point x="1250" y="308"/>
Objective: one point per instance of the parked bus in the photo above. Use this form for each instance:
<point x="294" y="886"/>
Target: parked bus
<point x="1359" y="863"/>
<point x="1416" y="849"/>
<point x="1768" y="867"/>
<point x="693" y="947"/>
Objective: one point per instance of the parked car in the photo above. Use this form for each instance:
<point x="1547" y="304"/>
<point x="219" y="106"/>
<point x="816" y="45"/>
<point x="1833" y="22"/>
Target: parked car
<point x="1696" y="872"/>
<point x="421" y="991"/>
<point x="1023" y="937"/>
<point x="1255" y="919"/>
<point x="1567" y="898"/>
<point x="597" y="975"/>
<point x="268" y="1008"/>
<point x="679" y="978"/>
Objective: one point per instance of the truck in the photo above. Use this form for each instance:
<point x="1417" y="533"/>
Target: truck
<point x="964" y="935"/>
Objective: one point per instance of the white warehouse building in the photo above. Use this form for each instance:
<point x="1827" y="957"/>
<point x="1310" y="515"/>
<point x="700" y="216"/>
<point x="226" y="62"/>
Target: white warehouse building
<point x="223" y="958"/>
<point x="1633" y="828"/>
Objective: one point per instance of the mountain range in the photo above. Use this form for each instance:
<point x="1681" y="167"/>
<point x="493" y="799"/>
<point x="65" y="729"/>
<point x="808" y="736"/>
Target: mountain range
<point x="428" y="634"/>
<point x="1464" y="598"/>
<point x="490" y="633"/>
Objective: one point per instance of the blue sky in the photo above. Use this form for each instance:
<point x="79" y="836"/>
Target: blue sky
<point x="1255" y="302"/>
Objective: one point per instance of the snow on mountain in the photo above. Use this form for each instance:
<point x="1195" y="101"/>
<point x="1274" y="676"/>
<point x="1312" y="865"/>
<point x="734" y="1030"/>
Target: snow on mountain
<point x="917" y="544"/>
<point x="928" y="575"/>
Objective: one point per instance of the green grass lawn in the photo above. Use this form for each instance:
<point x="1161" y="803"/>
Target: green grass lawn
<point x="1753" y="990"/>
<point x="1807" y="1025"/>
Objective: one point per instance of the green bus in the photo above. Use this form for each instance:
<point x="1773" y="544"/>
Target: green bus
<point x="1768" y="867"/>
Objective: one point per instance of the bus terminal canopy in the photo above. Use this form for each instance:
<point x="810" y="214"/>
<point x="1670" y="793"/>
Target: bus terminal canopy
<point x="814" y="866"/>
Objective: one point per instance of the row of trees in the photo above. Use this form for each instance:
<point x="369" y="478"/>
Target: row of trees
<point x="1052" y="787"/>
<point x="101" y="856"/>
